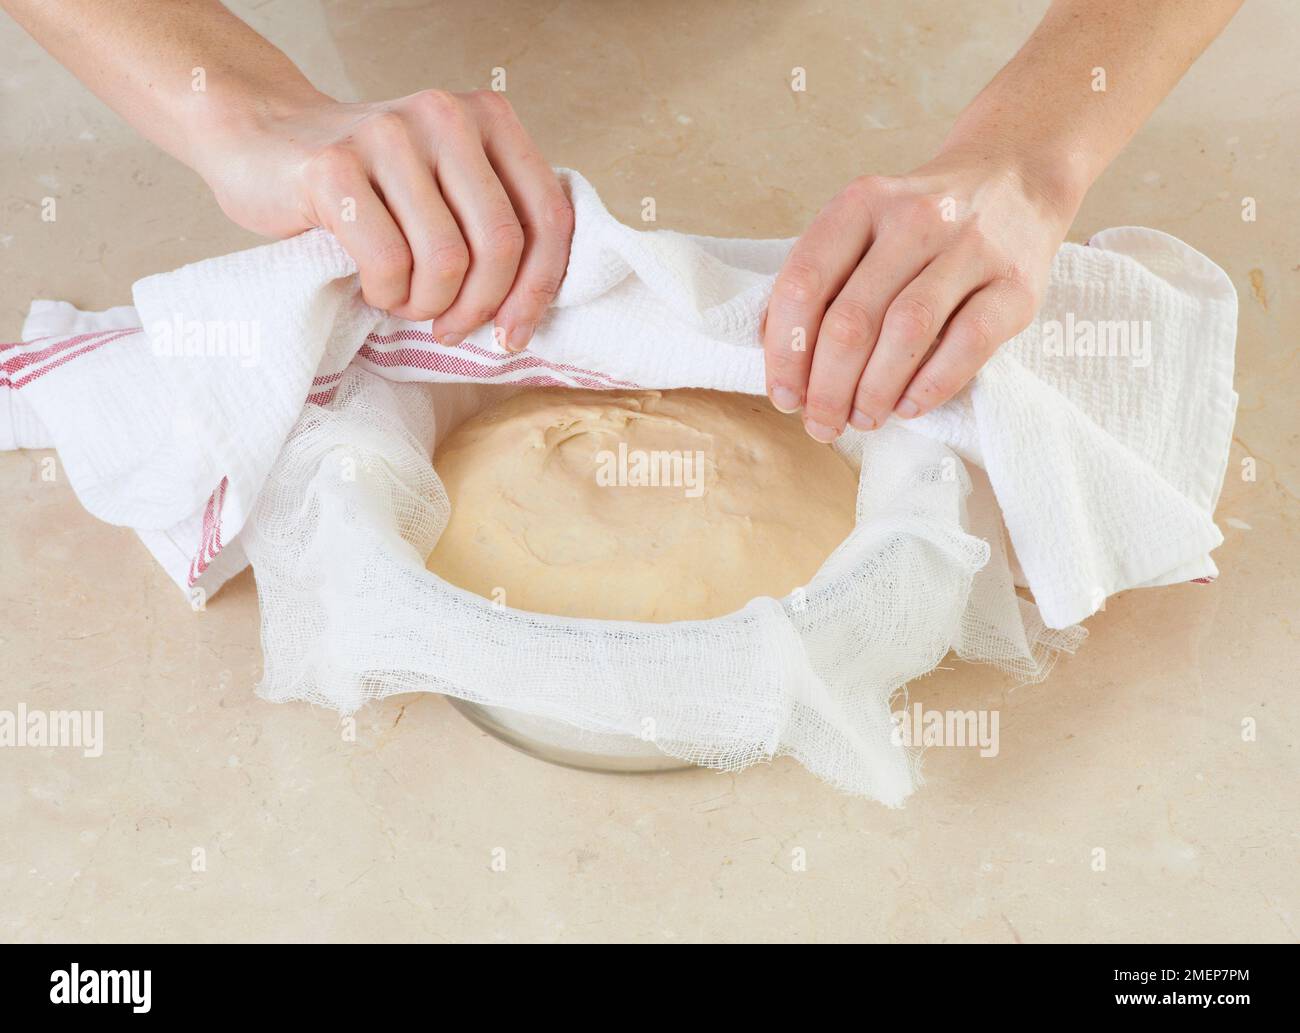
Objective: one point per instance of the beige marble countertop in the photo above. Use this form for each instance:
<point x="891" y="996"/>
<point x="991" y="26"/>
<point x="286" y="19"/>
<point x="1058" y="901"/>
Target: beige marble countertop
<point x="1133" y="746"/>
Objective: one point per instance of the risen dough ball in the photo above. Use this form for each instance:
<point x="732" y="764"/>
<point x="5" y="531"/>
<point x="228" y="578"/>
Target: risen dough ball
<point x="571" y="502"/>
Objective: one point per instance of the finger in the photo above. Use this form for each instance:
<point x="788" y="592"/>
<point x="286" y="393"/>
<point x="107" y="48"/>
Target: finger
<point x="545" y="215"/>
<point x="439" y="254"/>
<point x="488" y="223"/>
<point x="849" y="330"/>
<point x="815" y="270"/>
<point x="989" y="318"/>
<point x="911" y="324"/>
<point x="344" y="202"/>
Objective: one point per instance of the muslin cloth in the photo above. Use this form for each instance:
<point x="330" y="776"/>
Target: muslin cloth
<point x="1104" y="465"/>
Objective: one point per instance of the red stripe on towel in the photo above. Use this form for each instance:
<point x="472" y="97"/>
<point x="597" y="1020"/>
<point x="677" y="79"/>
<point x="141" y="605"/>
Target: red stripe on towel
<point x="62" y="357"/>
<point x="210" y="544"/>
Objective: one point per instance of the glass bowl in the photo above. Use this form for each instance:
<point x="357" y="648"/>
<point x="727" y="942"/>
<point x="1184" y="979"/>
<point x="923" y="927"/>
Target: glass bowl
<point x="559" y="743"/>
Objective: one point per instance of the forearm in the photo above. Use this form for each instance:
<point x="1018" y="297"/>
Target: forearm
<point x="485" y="237"/>
<point x="140" y="57"/>
<point x="1051" y="113"/>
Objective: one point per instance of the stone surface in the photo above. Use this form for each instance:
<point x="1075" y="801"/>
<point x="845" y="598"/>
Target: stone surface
<point x="1134" y="746"/>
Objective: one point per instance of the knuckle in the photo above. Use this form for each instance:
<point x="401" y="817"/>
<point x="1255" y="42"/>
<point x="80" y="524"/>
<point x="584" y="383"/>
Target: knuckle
<point x="504" y="240"/>
<point x="783" y="369"/>
<point x="415" y="313"/>
<point x="799" y="283"/>
<point x="1019" y="276"/>
<point x="449" y="262"/>
<point x="826" y="403"/>
<point x="929" y="206"/>
<point x="1027" y="292"/>
<point x="333" y="167"/>
<point x="920" y="211"/>
<point x="542" y="290"/>
<point x="440" y="105"/>
<point x="863" y="189"/>
<point x="975" y="238"/>
<point x="848" y="324"/>
<point x="494" y="102"/>
<point x="979" y="334"/>
<point x="557" y="217"/>
<point x="935" y="387"/>
<point x="386" y="128"/>
<point x="872" y="398"/>
<point x="974" y="243"/>
<point x="911" y="317"/>
<point x="383" y="295"/>
<point x="391" y="262"/>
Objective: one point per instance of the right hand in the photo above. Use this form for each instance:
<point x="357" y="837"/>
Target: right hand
<point x="442" y="199"/>
<point x="904" y="286"/>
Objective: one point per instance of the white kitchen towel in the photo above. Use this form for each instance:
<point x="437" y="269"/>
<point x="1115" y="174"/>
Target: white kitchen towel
<point x="1103" y="428"/>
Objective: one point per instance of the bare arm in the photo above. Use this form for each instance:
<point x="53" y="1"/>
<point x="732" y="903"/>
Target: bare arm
<point x="139" y="57"/>
<point x="904" y="286"/>
<point x="442" y="199"/>
<point x="1085" y="82"/>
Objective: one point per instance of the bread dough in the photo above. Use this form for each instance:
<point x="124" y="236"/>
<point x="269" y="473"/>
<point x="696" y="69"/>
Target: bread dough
<point x="572" y="502"/>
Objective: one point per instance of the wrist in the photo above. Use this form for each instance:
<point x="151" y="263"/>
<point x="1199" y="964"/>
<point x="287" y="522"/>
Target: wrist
<point x="1051" y="167"/>
<point x="240" y="117"/>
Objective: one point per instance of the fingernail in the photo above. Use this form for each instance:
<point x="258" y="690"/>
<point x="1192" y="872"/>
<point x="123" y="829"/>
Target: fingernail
<point x="861" y="421"/>
<point x="820" y="432"/>
<point x="450" y="339"/>
<point x="907" y="408"/>
<point x="518" y="338"/>
<point x="785" y="399"/>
